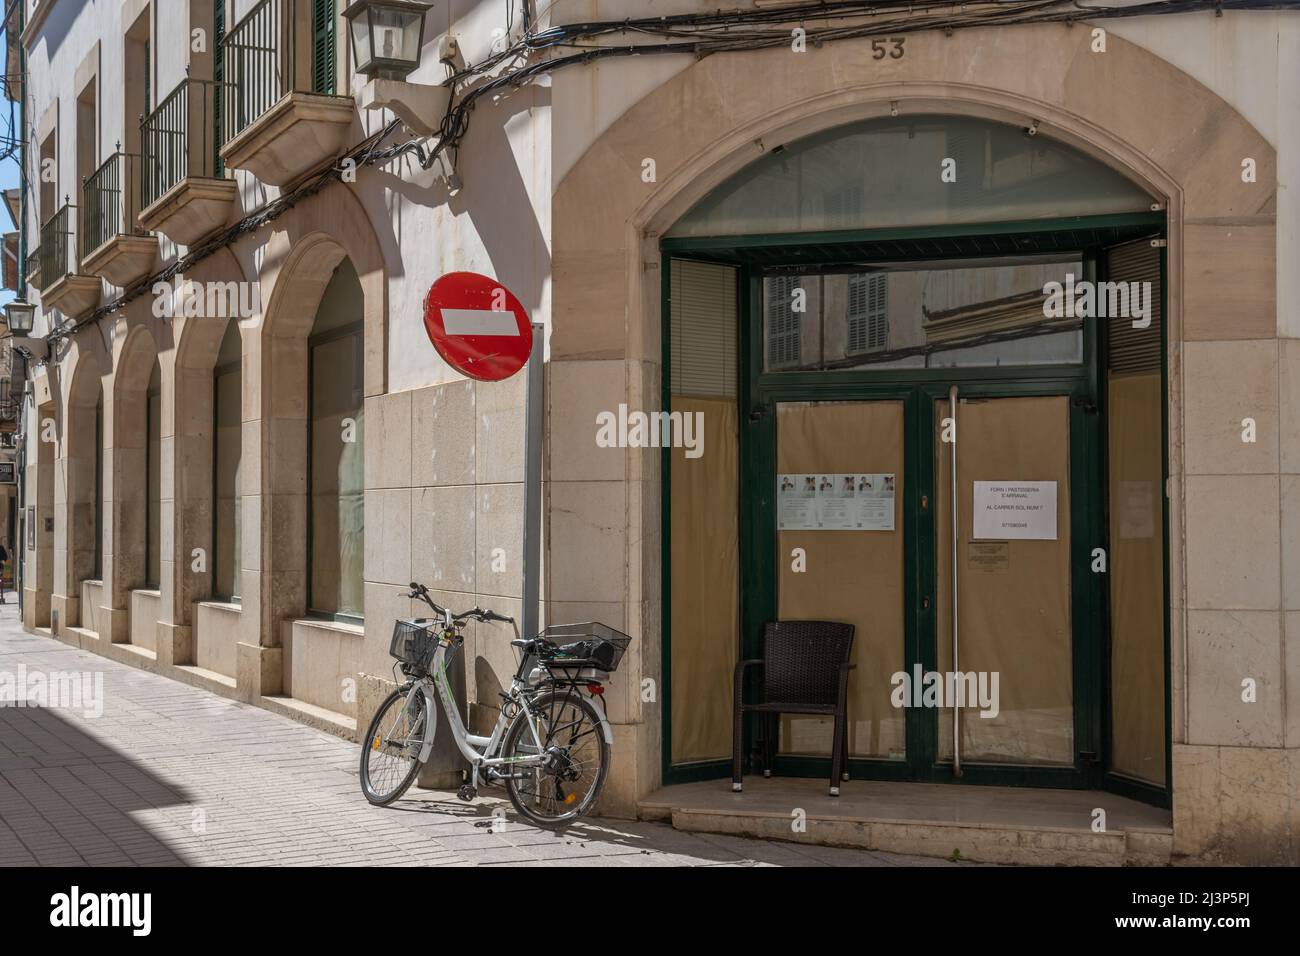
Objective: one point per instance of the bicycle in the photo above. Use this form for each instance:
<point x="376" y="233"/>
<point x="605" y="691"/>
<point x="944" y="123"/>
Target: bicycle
<point x="551" y="743"/>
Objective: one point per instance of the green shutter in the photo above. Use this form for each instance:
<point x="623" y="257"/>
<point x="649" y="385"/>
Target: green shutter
<point x="868" y="312"/>
<point x="784" y="346"/>
<point x="148" y="77"/>
<point x="323" y="59"/>
<point x="218" y="76"/>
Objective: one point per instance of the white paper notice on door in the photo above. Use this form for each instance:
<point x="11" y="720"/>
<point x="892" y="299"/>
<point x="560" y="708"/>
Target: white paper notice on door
<point x="1137" y="518"/>
<point x="1015" y="509"/>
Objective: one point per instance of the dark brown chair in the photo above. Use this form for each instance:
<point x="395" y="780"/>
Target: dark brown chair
<point x="805" y="671"/>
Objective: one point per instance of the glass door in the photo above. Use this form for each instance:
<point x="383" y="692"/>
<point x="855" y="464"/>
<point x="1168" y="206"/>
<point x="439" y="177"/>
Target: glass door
<point x="1004" y="575"/>
<point x="840" y="474"/>
<point x="861" y="529"/>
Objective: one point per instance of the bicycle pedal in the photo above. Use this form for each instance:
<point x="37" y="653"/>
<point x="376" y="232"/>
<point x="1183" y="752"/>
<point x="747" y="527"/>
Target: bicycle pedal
<point x="467" y="793"/>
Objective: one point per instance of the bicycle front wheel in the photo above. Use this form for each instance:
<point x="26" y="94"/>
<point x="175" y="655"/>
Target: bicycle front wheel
<point x="568" y="784"/>
<point x="390" y="750"/>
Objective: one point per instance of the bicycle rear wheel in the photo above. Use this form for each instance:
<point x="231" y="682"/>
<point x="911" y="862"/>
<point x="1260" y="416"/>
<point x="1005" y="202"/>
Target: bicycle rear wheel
<point x="390" y="750"/>
<point x="570" y="782"/>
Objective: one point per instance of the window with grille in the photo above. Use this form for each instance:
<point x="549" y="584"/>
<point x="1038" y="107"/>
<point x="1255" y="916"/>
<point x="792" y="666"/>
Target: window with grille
<point x="868" y="313"/>
<point x="783" y="345"/>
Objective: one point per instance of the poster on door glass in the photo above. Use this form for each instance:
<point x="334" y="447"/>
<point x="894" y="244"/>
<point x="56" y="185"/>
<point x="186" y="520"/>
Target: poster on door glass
<point x="860" y="501"/>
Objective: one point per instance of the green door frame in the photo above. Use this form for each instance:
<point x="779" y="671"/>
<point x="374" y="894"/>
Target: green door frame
<point x="917" y="388"/>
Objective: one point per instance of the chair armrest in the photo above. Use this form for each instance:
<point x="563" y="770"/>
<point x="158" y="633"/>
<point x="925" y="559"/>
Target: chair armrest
<point x="741" y="666"/>
<point x="738" y="684"/>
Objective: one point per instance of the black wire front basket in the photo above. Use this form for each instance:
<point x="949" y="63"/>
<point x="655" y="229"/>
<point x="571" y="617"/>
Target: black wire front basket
<point x="584" y="646"/>
<point x="414" y="642"/>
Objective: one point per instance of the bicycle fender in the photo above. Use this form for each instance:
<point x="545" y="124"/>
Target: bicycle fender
<point x="430" y="724"/>
<point x="604" y="721"/>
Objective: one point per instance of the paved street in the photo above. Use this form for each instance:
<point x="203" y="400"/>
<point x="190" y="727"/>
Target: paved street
<point x="172" y="775"/>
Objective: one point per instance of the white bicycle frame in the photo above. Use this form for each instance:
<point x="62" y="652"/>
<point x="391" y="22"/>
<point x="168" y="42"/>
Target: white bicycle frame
<point x="481" y="752"/>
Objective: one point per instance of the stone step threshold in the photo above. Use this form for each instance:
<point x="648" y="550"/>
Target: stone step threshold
<point x="981" y="824"/>
<point x="340" y="725"/>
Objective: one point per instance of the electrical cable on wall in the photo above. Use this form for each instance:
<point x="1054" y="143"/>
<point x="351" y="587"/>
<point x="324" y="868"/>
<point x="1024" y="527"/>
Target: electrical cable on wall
<point x="697" y="34"/>
<point x="702" y="34"/>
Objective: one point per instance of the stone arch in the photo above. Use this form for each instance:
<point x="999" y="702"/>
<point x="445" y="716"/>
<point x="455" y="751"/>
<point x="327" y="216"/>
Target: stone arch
<point x="298" y="261"/>
<point x="299" y="257"/>
<point x="188" y="425"/>
<point x="38" y="583"/>
<point x="1181" y="141"/>
<point x="80" y="401"/>
<point x="125" y="493"/>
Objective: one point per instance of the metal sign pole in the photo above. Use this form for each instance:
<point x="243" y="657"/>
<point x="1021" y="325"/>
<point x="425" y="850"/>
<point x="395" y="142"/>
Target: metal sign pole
<point x="534" y="423"/>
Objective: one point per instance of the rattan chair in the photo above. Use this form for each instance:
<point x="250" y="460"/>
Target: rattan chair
<point x="805" y="671"/>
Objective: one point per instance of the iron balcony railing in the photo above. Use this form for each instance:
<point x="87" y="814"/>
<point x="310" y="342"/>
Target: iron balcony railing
<point x="110" y="201"/>
<point x="57" y="251"/>
<point x="34" y="267"/>
<point x="261" y="63"/>
<point x="179" y="139"/>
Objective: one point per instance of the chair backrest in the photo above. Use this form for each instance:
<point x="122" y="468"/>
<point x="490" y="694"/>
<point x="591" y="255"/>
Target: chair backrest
<point x="802" y="659"/>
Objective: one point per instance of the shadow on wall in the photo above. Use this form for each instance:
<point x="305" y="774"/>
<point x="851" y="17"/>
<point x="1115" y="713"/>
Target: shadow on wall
<point x="58" y="24"/>
<point x="487" y="691"/>
<point x="494" y="196"/>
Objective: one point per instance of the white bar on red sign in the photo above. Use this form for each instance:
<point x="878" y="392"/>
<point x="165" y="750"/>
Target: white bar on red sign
<point x="479" y="322"/>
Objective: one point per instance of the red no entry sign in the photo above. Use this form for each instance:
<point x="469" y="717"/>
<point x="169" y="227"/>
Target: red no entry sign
<point x="478" y="326"/>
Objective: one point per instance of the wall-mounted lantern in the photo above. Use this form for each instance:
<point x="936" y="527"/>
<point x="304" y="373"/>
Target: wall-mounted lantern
<point x="387" y="43"/>
<point x="387" y="36"/>
<point x="20" y="316"/>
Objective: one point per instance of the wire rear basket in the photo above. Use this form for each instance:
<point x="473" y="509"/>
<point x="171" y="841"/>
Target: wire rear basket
<point x="591" y="645"/>
<point x="414" y="643"/>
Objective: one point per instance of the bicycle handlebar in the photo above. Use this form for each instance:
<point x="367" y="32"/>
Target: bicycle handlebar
<point x="476" y="613"/>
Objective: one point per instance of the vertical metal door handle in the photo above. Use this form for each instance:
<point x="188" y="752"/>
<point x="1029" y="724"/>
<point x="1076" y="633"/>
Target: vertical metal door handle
<point x="956" y="667"/>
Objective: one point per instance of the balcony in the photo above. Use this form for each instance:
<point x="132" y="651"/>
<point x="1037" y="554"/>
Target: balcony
<point x="185" y="196"/>
<point x="34" y="268"/>
<point x="113" y="244"/>
<point x="281" y="119"/>
<point x="62" y="286"/>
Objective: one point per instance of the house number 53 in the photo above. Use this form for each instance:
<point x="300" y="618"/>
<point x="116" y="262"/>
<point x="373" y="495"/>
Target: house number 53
<point x="891" y="47"/>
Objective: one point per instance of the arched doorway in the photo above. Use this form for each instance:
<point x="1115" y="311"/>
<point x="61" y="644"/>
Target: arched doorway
<point x="838" y="317"/>
<point x="79" y="536"/>
<point x="307" y="601"/>
<point x="132" y="562"/>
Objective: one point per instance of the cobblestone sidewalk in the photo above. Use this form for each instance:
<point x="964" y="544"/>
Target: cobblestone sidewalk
<point x="171" y="775"/>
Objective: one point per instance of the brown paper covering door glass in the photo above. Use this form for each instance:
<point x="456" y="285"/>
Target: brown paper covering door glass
<point x="705" y="576"/>
<point x="1014" y="596"/>
<point x="1135" y="399"/>
<point x="851" y="576"/>
<point x="1136" y="576"/>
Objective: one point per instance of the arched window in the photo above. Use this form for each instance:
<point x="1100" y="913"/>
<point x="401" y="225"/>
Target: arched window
<point x="227" y="448"/>
<point x="335" y="474"/>
<point x="153" y="478"/>
<point x="911" y="171"/>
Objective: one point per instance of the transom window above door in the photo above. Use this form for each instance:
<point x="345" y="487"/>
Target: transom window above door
<point x="944" y="314"/>
<point x="911" y="171"/>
